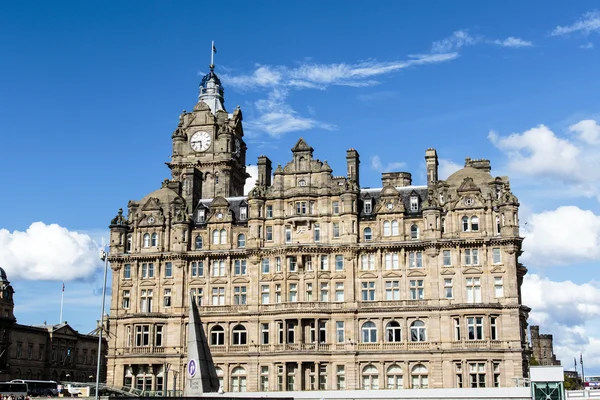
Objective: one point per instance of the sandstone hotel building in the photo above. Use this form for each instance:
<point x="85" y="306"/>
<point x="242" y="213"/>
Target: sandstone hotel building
<point x="311" y="282"/>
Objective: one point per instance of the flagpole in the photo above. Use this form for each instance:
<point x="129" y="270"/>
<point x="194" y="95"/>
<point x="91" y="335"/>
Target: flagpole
<point x="62" y="298"/>
<point x="582" y="372"/>
<point x="212" y="53"/>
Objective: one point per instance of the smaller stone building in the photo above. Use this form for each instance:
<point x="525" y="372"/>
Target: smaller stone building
<point x="45" y="352"/>
<point x="542" y="348"/>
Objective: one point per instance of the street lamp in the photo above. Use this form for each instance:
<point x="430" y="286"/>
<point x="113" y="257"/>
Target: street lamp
<point x="103" y="257"/>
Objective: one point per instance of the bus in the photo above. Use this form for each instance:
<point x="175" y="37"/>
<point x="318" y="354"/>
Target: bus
<point x="14" y="389"/>
<point x="592" y="382"/>
<point x="39" y="388"/>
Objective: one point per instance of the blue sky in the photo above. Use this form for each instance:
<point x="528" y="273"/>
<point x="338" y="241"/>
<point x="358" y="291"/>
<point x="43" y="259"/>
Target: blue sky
<point x="91" y="92"/>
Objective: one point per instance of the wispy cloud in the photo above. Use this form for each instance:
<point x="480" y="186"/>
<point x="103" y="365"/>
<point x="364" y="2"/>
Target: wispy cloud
<point x="588" y="23"/>
<point x="513" y="42"/>
<point x="390" y="167"/>
<point x="276" y="117"/>
<point x="586" y="46"/>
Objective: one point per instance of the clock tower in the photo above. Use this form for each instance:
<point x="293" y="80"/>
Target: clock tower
<point x="209" y="153"/>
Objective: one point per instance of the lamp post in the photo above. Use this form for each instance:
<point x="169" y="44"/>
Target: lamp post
<point x="103" y="257"/>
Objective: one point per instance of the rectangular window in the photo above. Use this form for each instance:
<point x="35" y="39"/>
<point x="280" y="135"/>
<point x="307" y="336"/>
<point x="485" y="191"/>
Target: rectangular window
<point x="414" y="204"/>
<point x="448" y="292"/>
<point x="367" y="207"/>
<point x="240" y="267"/>
<point x="278" y="293"/>
<point x="126" y="299"/>
<point x="167" y="298"/>
<point x="339" y="291"/>
<point x="477" y="374"/>
<point x="269" y="234"/>
<point x="288" y="234"/>
<point x="307" y="262"/>
<point x="496" y="374"/>
<point x="146" y="300"/>
<point x="475" y="328"/>
<point x="324" y="291"/>
<point x="168" y="270"/>
<point x="457" y="329"/>
<point x="150" y="270"/>
<point x="340" y="377"/>
<point x="264" y="333"/>
<point x="264" y="294"/>
<point x="317" y="232"/>
<point x="158" y="336"/>
<point x="416" y="289"/>
<point x="336" y="207"/>
<point x="218" y="296"/>
<point x="498" y="287"/>
<point x="144" y="270"/>
<point x="339" y="331"/>
<point x="368" y="291"/>
<point x="264" y="378"/>
<point x="367" y="262"/>
<point x="415" y="259"/>
<point x="218" y="268"/>
<point x="309" y="292"/>
<point x="339" y="263"/>
<point x="459" y="375"/>
<point x="322" y="332"/>
<point x="301" y="207"/>
<point x="277" y="264"/>
<point x="473" y="290"/>
<point x="391" y="261"/>
<point x="239" y="294"/>
<point x="142" y="335"/>
<point x="447" y="258"/>
<point x="471" y="257"/>
<point x="496" y="257"/>
<point x="243" y="213"/>
<point x="127" y="271"/>
<point x="269" y="211"/>
<point x="336" y="230"/>
<point x="292" y="264"/>
<point x="198" y="293"/>
<point x="265" y="266"/>
<point x="324" y="263"/>
<point x="493" y="328"/>
<point x="392" y="290"/>
<point x="293" y="292"/>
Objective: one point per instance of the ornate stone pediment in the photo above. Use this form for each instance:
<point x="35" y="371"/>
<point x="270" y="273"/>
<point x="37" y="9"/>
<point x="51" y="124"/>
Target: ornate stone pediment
<point x="416" y="273"/>
<point x="153" y="204"/>
<point x="339" y="276"/>
<point x="240" y="280"/>
<point x="392" y="274"/>
<point x="448" y="271"/>
<point x="309" y="275"/>
<point x="148" y="283"/>
<point x="278" y="277"/>
<point x="324" y="275"/>
<point x="127" y="283"/>
<point x="198" y="281"/>
<point x="498" y="269"/>
<point x="367" y="275"/>
<point x="472" y="270"/>
<point x="293" y="277"/>
<point x="218" y="281"/>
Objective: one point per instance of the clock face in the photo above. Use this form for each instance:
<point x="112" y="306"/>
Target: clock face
<point x="200" y="141"/>
<point x="150" y="220"/>
<point x="389" y="206"/>
<point x="219" y="215"/>
<point x="469" y="201"/>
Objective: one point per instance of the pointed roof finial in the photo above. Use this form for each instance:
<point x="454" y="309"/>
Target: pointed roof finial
<point x="213" y="51"/>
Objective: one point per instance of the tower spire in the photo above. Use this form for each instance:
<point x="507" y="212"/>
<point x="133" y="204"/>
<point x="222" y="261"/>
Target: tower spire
<point x="213" y="51"/>
<point x="211" y="91"/>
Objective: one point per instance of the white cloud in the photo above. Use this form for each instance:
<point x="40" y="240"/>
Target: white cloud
<point x="588" y="130"/>
<point x="512" y="41"/>
<point x="588" y="23"/>
<point x="447" y="168"/>
<point x="570" y="312"/>
<point x="586" y="46"/>
<point x="251" y="182"/>
<point x="562" y="236"/>
<point x="390" y="167"/>
<point x="453" y="42"/>
<point x="47" y="252"/>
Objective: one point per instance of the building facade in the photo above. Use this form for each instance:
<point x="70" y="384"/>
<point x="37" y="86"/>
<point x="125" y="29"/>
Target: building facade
<point x="542" y="347"/>
<point x="310" y="281"/>
<point x="45" y="352"/>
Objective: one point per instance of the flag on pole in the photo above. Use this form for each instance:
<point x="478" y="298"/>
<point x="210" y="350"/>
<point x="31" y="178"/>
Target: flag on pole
<point x="214" y="49"/>
<point x="581" y="358"/>
<point x="63" y="287"/>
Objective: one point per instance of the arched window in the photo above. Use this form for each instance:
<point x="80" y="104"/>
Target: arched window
<point x="220" y="374"/>
<point x="198" y="242"/>
<point x="217" y="336"/>
<point x="419" y="377"/>
<point x="393" y="332"/>
<point x="418" y="331"/>
<point x="497" y="225"/>
<point x="223" y="236"/>
<point x="369" y="332"/>
<point x="238" y="379"/>
<point x="387" y="228"/>
<point x="443" y="225"/>
<point x="394" y="377"/>
<point x="414" y="231"/>
<point x="154" y="239"/>
<point x="395" y="231"/>
<point x="370" y="377"/>
<point x="241" y="241"/>
<point x="465" y="224"/>
<point x="216" y="236"/>
<point x="474" y="223"/>
<point x="239" y="335"/>
<point x="146" y="240"/>
<point x="368" y="234"/>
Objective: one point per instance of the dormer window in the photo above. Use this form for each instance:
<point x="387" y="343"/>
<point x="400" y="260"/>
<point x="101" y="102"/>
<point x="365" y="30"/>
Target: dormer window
<point x="201" y="215"/>
<point x="414" y="203"/>
<point x="368" y="207"/>
<point x="243" y="213"/>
